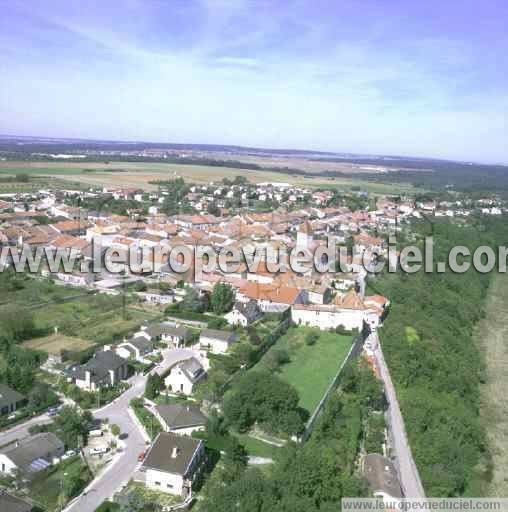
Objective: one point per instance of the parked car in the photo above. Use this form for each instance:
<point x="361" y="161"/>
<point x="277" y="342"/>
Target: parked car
<point x="68" y="454"/>
<point x="99" y="450"/>
<point x="96" y="433"/>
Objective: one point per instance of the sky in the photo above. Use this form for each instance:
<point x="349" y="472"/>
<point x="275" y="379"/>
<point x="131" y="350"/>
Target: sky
<point x="401" y="77"/>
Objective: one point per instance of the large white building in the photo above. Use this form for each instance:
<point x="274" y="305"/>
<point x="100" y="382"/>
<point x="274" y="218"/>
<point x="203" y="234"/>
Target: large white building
<point x="348" y="311"/>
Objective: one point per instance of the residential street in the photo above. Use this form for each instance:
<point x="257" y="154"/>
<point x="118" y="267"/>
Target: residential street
<point x="408" y="472"/>
<point x="123" y="466"/>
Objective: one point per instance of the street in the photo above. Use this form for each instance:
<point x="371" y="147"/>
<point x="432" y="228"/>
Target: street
<point x="408" y="472"/>
<point x="124" y="464"/>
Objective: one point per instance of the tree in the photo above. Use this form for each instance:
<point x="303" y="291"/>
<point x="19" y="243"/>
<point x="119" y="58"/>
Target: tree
<point x="192" y="301"/>
<point x="72" y="425"/>
<point x="235" y="460"/>
<point x="153" y="386"/>
<point x="261" y="397"/>
<point x="115" y="430"/>
<point x="222" y="298"/>
<point x="276" y="358"/>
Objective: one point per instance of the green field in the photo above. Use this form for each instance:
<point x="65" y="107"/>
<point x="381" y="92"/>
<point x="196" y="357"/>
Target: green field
<point x="311" y="368"/>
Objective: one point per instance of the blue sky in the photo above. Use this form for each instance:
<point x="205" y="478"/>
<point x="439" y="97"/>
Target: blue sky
<point x="411" y="77"/>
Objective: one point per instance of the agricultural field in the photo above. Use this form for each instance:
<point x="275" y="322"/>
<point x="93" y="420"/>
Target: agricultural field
<point x="311" y="367"/>
<point x="143" y="174"/>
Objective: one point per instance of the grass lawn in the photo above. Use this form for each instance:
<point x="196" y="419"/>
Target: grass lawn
<point x="255" y="447"/>
<point x="311" y="368"/>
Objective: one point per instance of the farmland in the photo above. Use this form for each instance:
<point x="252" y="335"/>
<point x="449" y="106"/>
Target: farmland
<point x="141" y="174"/>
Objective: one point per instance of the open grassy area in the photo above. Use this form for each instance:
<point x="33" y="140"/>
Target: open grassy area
<point x="255" y="447"/>
<point x="55" y="343"/>
<point x="311" y="368"/>
<point x="492" y="336"/>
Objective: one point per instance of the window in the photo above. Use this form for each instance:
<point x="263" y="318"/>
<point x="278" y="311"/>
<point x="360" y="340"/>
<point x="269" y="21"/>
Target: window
<point x="169" y="486"/>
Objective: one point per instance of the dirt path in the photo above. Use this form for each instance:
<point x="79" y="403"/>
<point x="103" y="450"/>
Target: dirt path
<point x="492" y="335"/>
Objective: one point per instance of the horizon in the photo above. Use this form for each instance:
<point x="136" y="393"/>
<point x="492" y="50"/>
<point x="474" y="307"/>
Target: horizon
<point x="391" y="80"/>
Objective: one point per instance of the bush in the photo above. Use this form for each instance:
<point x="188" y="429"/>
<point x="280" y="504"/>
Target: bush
<point x="311" y="338"/>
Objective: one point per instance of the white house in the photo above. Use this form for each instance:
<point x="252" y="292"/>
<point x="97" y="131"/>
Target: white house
<point x="135" y="348"/>
<point x="183" y="376"/>
<point x="181" y="419"/>
<point x="31" y="454"/>
<point x="104" y="369"/>
<point x="243" y="313"/>
<point x="172" y="463"/>
<point x="348" y="311"/>
<point x="217" y="342"/>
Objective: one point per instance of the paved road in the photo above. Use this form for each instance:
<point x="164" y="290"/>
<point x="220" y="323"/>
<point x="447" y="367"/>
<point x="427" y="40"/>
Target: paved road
<point x="408" y="472"/>
<point x="123" y="466"/>
<point x="20" y="431"/>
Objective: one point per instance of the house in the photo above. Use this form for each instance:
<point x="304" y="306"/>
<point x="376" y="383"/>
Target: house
<point x="348" y="311"/>
<point x="157" y="297"/>
<point x="217" y="342"/>
<point x="243" y="313"/>
<point x="272" y="298"/>
<point x="10" y="503"/>
<point x="172" y="463"/>
<point x="181" y="419"/>
<point x="167" y="332"/>
<point x="135" y="348"/>
<point x="10" y="400"/>
<point x="104" y="369"/>
<point x="183" y="376"/>
<point x="382" y="478"/>
<point x="31" y="454"/>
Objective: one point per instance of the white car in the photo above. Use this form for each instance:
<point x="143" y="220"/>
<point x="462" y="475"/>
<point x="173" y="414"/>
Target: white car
<point x="68" y="454"/>
<point x="99" y="450"/>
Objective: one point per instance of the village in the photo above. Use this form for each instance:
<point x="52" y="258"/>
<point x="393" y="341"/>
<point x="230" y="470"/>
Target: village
<point x="146" y="394"/>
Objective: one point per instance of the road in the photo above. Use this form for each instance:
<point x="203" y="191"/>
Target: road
<point x="124" y="464"/>
<point x="408" y="472"/>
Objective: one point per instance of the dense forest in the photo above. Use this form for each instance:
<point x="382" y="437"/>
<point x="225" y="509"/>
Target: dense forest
<point x="436" y="367"/>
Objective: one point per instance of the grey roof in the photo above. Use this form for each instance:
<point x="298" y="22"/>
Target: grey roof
<point x="9" y="396"/>
<point x="160" y="455"/>
<point x="218" y="335"/>
<point x="381" y="475"/>
<point x="141" y="343"/>
<point x="192" y="369"/>
<point x="249" y="309"/>
<point x="168" y="328"/>
<point x="99" y="366"/>
<point x="181" y="415"/>
<point x="10" y="503"/>
<point x="38" y="446"/>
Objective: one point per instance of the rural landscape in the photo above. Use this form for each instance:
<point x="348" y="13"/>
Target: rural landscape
<point x="253" y="256"/>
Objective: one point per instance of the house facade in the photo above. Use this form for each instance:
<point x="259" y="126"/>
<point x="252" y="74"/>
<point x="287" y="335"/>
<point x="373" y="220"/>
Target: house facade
<point x="183" y="376"/>
<point x="173" y="463"/>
